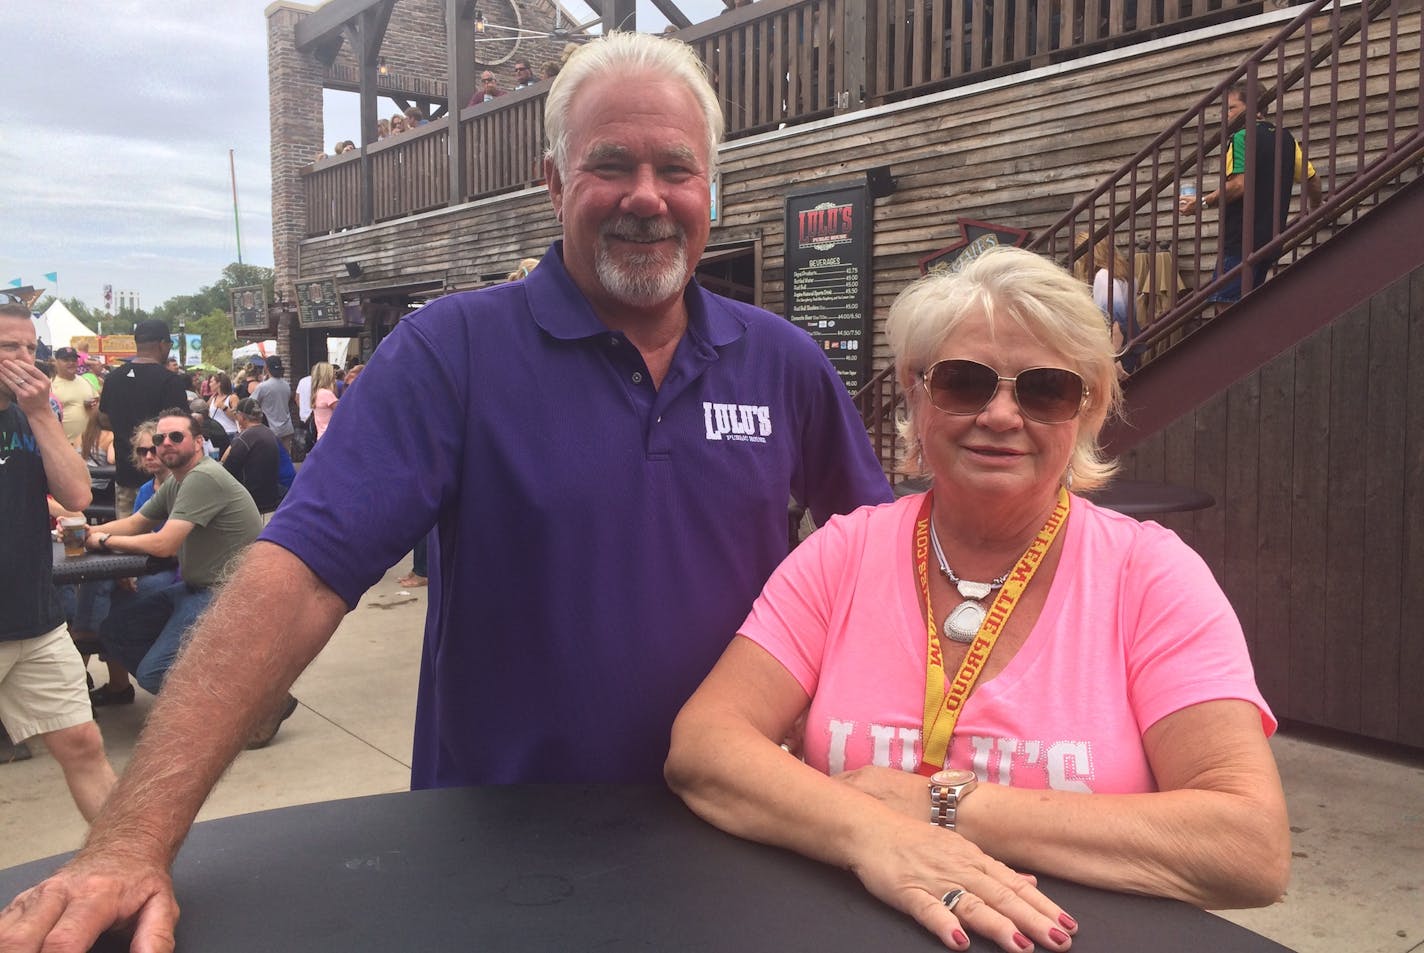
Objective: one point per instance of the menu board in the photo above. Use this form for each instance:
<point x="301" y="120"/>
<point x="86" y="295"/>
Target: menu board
<point x="319" y="304"/>
<point x="828" y="274"/>
<point x="249" y="308"/>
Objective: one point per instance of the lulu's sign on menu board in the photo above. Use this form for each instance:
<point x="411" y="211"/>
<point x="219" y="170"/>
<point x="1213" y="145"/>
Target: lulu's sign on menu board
<point x="319" y="304"/>
<point x="828" y="274"/>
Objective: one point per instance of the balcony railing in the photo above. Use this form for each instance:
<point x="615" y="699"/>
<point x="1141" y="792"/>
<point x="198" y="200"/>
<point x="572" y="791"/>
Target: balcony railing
<point x="1350" y="96"/>
<point x="773" y="63"/>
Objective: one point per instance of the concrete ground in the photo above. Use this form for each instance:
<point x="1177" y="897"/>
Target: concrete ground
<point x="1357" y="882"/>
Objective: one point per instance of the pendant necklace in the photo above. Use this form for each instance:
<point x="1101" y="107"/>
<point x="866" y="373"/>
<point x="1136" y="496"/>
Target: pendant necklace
<point x="963" y="622"/>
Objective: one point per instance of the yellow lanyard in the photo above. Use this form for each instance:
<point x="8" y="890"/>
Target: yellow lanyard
<point x="942" y="707"/>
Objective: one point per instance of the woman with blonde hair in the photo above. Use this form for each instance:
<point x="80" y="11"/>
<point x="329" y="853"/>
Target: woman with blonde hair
<point x="996" y="675"/>
<point x="1110" y="271"/>
<point x="323" y="396"/>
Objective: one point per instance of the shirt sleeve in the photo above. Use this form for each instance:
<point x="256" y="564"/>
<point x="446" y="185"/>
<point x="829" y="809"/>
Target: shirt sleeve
<point x="377" y="447"/>
<point x="236" y="455"/>
<point x="791" y="619"/>
<point x="838" y="470"/>
<point x="175" y="395"/>
<point x="1185" y="642"/>
<point x="155" y="508"/>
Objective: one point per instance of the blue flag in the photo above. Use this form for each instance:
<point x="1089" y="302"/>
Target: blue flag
<point x="51" y="276"/>
<point x="16" y="282"/>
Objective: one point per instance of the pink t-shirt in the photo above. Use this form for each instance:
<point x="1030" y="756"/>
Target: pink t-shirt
<point x="1134" y="628"/>
<point x="323" y="404"/>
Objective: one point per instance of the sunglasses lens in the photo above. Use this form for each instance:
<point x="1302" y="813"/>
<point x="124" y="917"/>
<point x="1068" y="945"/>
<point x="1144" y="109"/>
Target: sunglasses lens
<point x="962" y="387"/>
<point x="1049" y="395"/>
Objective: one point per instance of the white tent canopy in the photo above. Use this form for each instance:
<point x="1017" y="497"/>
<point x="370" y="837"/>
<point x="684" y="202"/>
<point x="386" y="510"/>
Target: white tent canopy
<point x="262" y="349"/>
<point x="58" y="326"/>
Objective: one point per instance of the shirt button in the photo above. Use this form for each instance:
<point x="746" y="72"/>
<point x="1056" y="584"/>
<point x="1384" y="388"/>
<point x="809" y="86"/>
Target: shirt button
<point x="637" y="377"/>
<point x="612" y="342"/>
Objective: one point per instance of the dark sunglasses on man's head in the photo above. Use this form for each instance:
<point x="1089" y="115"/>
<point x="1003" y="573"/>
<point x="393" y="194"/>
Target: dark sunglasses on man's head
<point x="174" y="437"/>
<point x="1048" y="395"/>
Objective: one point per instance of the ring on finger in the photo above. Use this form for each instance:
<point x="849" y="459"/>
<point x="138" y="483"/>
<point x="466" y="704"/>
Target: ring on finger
<point x="953" y="897"/>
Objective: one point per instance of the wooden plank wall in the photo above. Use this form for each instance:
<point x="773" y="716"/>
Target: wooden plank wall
<point x="1317" y="464"/>
<point x="1017" y="154"/>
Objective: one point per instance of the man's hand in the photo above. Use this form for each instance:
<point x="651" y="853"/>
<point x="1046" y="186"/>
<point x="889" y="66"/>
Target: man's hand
<point x="29" y="385"/>
<point x="1188" y="205"/>
<point x="100" y="889"/>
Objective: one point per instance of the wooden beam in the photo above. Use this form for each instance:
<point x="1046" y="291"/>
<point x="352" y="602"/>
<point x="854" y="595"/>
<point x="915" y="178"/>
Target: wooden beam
<point x="674" y="15"/>
<point x="459" y="87"/>
<point x="621" y="15"/>
<point x="329" y="19"/>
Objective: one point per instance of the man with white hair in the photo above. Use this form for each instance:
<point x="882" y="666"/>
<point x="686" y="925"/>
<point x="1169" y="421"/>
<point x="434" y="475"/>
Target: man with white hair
<point x="607" y="466"/>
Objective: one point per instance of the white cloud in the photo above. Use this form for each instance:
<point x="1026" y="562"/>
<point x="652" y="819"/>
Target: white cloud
<point x="114" y="135"/>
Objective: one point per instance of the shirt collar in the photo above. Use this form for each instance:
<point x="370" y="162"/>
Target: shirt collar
<point x="561" y="310"/>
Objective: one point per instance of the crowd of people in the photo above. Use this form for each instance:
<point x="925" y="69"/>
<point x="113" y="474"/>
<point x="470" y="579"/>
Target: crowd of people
<point x="226" y="461"/>
<point x="603" y="479"/>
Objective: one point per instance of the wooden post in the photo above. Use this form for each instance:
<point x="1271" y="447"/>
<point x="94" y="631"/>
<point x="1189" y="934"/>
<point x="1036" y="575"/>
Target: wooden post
<point x="460" y="85"/>
<point x="621" y="15"/>
<point x="853" y="50"/>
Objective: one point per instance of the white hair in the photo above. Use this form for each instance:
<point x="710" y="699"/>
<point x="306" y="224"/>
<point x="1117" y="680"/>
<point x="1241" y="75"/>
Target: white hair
<point x="618" y="53"/>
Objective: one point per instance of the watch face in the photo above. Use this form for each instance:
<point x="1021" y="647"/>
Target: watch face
<point x="951" y="777"/>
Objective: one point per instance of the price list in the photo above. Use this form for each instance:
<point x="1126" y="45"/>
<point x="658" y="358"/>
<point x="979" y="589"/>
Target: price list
<point x="826" y="275"/>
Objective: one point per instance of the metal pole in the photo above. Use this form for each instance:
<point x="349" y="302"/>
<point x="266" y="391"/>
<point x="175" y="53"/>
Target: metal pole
<point x="236" y="225"/>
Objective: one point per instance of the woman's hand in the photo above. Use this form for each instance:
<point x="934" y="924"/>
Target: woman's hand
<point x="918" y="864"/>
<point x="902" y="791"/>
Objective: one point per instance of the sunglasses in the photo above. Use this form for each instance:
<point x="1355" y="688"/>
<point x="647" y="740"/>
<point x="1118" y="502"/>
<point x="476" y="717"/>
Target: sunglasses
<point x="174" y="437"/>
<point x="145" y="451"/>
<point x="1048" y="395"/>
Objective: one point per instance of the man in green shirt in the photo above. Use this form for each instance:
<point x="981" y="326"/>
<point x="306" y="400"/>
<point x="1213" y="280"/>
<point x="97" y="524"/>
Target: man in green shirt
<point x="207" y="519"/>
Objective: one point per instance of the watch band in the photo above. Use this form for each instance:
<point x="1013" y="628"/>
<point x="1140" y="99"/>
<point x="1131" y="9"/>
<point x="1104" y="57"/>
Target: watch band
<point x="948" y="789"/>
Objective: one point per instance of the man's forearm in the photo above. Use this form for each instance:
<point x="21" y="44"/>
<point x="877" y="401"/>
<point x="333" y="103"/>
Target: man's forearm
<point x="65" y="470"/>
<point x="214" y="696"/>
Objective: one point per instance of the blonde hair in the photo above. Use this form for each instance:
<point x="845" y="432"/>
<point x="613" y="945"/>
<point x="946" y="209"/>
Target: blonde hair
<point x="148" y="427"/>
<point x="624" y="53"/>
<point x="1010" y="284"/>
<point x="1104" y="256"/>
<point x="322" y="378"/>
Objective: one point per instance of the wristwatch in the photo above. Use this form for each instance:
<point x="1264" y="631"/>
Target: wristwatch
<point x="948" y="789"/>
<point x="104" y="543"/>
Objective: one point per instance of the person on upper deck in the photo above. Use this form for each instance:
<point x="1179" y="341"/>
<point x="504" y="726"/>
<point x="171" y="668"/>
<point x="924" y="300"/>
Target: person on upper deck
<point x="1109" y="727"/>
<point x="1278" y="163"/>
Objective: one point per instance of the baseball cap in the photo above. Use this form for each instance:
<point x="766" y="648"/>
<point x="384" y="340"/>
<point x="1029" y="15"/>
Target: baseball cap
<point x="147" y="332"/>
<point x="66" y="354"/>
<point x="250" y="409"/>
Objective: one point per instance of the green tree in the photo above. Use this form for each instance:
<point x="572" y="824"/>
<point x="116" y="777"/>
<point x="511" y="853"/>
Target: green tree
<point x="218" y="337"/>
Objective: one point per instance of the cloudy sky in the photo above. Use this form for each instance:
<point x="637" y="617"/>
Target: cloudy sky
<point x="115" y="128"/>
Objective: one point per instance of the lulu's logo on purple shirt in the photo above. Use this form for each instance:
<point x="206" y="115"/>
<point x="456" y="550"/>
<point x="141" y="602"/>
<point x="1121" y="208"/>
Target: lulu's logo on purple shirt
<point x="747" y="422"/>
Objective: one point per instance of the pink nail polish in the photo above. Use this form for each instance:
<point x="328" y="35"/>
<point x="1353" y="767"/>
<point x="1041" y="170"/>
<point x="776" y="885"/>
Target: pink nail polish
<point x="959" y="938"/>
<point x="1057" y="935"/>
<point x="1068" y="922"/>
<point x="1022" y="942"/>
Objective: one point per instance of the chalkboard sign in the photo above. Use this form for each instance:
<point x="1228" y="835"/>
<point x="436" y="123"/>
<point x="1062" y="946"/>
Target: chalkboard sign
<point x="828" y="274"/>
<point x="978" y="237"/>
<point x="319" y="304"/>
<point x="249" y="308"/>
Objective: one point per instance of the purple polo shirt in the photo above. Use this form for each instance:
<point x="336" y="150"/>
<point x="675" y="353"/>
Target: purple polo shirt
<point x="599" y="541"/>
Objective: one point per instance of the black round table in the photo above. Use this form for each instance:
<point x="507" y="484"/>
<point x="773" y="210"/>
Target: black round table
<point x="92" y="567"/>
<point x="561" y="868"/>
<point x="1129" y="497"/>
<point x="1150" y="497"/>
